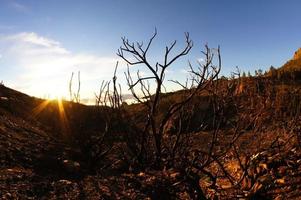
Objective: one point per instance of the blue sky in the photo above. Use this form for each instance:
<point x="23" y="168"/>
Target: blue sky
<point x="42" y="42"/>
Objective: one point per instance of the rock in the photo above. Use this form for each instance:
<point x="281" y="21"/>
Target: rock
<point x="4" y="99"/>
<point x="7" y="196"/>
<point x="279" y="197"/>
<point x="280" y="181"/>
<point x="64" y="182"/>
<point x="175" y="175"/>
<point x="71" y="166"/>
<point x="141" y="174"/>
<point x="282" y="170"/>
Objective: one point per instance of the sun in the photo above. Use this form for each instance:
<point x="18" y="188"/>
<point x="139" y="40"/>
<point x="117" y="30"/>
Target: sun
<point x="60" y="98"/>
<point x="56" y="96"/>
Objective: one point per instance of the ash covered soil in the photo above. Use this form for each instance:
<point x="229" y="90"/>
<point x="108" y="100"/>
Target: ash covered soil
<point x="33" y="166"/>
<point x="36" y="165"/>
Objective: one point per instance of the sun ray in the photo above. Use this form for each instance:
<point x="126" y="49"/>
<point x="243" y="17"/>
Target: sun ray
<point x="37" y="110"/>
<point x="63" y="118"/>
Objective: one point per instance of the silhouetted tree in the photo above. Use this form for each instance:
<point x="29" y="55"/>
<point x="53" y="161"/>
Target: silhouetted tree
<point x="154" y="128"/>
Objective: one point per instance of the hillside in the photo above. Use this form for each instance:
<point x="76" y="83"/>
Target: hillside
<point x="47" y="154"/>
<point x="291" y="69"/>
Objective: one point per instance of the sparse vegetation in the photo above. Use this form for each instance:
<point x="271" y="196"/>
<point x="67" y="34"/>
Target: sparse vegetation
<point x="152" y="146"/>
<point x="74" y="96"/>
<point x="217" y="138"/>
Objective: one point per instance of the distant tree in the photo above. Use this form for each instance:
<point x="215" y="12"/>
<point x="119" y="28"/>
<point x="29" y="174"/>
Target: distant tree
<point x="272" y="68"/>
<point x="244" y="74"/>
<point x="265" y="73"/>
<point x="279" y="75"/>
<point x="249" y="74"/>
<point x="260" y="72"/>
<point x="273" y="72"/>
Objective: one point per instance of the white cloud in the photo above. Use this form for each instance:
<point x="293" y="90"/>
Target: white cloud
<point x="33" y="42"/>
<point x="43" y="66"/>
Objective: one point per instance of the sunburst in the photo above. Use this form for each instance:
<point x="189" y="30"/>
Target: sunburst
<point x="37" y="110"/>
<point x="63" y="119"/>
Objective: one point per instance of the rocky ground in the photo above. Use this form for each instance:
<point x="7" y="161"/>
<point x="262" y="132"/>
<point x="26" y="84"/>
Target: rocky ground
<point x="35" y="165"/>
